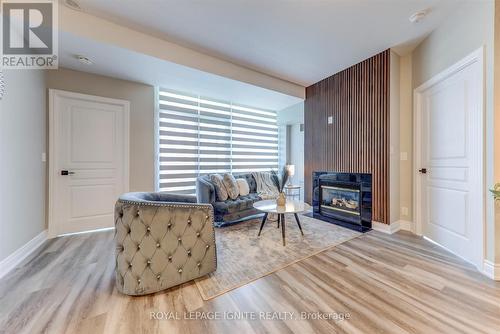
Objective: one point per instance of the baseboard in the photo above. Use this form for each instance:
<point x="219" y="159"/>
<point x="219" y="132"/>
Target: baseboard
<point x="406" y="225"/>
<point x="491" y="270"/>
<point x="14" y="259"/>
<point x="403" y="225"/>
<point x="386" y="228"/>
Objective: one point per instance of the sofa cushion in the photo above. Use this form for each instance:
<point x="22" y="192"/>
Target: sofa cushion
<point x="220" y="188"/>
<point x="243" y="186"/>
<point x="252" y="184"/>
<point x="231" y="206"/>
<point x="231" y="186"/>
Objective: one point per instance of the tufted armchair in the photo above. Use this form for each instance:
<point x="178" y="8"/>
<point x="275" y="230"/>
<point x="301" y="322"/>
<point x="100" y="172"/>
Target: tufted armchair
<point x="162" y="240"/>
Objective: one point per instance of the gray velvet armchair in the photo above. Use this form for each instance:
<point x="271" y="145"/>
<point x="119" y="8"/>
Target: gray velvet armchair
<point x="162" y="240"/>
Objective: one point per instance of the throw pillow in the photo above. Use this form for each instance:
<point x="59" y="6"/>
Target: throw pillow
<point x="243" y="187"/>
<point x="231" y="186"/>
<point x="220" y="189"/>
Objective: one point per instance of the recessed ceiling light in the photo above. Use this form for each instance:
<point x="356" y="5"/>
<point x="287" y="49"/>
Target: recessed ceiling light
<point x="419" y="16"/>
<point x="72" y="4"/>
<point x="84" y="60"/>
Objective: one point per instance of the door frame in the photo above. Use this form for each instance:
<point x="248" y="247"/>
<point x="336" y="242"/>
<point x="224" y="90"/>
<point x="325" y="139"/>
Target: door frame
<point x="475" y="57"/>
<point x="52" y="153"/>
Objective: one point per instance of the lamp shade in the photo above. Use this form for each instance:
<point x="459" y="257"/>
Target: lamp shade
<point x="291" y="169"/>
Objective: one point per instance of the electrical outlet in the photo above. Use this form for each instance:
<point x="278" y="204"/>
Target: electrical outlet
<point x="330" y="119"/>
<point x="404" y="156"/>
<point x="404" y="211"/>
<point x="44" y="157"/>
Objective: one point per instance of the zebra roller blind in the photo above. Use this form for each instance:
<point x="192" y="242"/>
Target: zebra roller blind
<point x="200" y="136"/>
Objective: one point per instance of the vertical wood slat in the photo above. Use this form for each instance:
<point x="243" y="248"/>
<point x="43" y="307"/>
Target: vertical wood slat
<point x="358" y="140"/>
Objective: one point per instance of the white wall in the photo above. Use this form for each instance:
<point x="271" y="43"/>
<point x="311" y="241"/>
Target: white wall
<point x="394" y="151"/>
<point x="22" y="172"/>
<point x="289" y="120"/>
<point x="467" y="29"/>
<point x="406" y="139"/>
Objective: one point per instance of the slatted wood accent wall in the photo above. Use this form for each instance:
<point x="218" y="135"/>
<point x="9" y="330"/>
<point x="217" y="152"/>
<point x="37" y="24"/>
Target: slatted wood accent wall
<point x="358" y="140"/>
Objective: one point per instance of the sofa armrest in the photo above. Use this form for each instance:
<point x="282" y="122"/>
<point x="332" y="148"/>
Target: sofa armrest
<point x="205" y="191"/>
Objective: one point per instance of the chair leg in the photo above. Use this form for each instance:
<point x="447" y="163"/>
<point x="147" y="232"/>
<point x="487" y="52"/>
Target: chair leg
<point x="283" y="228"/>
<point x="263" y="222"/>
<point x="278" y="220"/>
<point x="298" y="222"/>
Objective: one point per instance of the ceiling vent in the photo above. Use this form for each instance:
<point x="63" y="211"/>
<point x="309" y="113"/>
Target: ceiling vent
<point x="84" y="60"/>
<point x="72" y="4"/>
<point x="419" y="16"/>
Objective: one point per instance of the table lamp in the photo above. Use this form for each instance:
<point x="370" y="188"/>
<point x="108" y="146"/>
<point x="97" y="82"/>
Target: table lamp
<point x="291" y="172"/>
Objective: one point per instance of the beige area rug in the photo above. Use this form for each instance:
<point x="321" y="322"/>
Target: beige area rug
<point x="242" y="257"/>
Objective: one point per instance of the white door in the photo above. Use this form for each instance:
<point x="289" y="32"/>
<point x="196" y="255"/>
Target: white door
<point x="450" y="121"/>
<point x="88" y="160"/>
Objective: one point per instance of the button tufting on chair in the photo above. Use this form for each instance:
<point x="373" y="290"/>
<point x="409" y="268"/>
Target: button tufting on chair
<point x="158" y="253"/>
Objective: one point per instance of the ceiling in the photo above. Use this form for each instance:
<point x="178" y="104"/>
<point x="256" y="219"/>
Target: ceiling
<point x="128" y="65"/>
<point x="301" y="41"/>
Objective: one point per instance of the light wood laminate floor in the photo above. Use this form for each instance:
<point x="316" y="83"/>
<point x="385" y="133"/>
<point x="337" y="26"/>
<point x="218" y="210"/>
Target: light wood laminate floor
<point x="386" y="284"/>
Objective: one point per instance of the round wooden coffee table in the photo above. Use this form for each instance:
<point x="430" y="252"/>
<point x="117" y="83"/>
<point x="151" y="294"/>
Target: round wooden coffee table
<point x="292" y="206"/>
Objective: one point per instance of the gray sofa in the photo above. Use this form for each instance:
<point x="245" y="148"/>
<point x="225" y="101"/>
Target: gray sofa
<point x="162" y="240"/>
<point x="229" y="211"/>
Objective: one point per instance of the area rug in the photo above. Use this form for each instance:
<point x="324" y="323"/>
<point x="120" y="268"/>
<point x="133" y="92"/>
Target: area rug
<point x="243" y="257"/>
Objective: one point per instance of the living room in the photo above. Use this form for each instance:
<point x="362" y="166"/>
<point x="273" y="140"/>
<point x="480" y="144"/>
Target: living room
<point x="270" y="166"/>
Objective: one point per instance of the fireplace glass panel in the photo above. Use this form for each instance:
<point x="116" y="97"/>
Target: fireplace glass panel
<point x="340" y="199"/>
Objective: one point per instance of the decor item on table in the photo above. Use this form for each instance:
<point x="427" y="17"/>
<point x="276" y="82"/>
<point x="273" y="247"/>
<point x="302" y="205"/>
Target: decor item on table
<point x="162" y="240"/>
<point x="291" y="172"/>
<point x="231" y="186"/>
<point x="220" y="188"/>
<point x="279" y="183"/>
<point x="496" y="191"/>
<point x="243" y="187"/>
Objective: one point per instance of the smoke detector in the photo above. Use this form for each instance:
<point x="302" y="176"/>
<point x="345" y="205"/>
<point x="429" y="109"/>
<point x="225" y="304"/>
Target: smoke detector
<point x="84" y="60"/>
<point x="419" y="16"/>
<point x="72" y="4"/>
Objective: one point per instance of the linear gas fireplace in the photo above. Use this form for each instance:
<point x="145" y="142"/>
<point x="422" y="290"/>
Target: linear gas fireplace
<point x="343" y="198"/>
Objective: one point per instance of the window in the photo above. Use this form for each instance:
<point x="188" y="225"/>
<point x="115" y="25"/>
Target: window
<point x="200" y="136"/>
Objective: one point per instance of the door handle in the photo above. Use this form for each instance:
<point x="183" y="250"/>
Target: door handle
<point x="423" y="170"/>
<point x="66" y="172"/>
